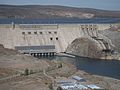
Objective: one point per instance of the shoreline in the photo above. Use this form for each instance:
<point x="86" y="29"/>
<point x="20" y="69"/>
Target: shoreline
<point x="102" y="81"/>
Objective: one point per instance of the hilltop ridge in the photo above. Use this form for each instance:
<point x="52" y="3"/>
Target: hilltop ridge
<point x="53" y="11"/>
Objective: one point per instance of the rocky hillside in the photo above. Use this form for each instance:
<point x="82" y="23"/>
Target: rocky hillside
<point x="85" y="47"/>
<point x="52" y="11"/>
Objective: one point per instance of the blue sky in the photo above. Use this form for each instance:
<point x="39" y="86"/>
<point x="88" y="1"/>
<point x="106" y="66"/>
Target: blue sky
<point x="98" y="4"/>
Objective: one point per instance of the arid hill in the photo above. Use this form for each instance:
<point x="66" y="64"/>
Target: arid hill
<point x="53" y="11"/>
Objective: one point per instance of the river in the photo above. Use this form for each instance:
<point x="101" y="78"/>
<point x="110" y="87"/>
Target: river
<point x="108" y="68"/>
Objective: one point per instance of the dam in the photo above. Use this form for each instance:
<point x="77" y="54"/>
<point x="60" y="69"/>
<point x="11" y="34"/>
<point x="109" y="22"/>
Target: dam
<point x="50" y="38"/>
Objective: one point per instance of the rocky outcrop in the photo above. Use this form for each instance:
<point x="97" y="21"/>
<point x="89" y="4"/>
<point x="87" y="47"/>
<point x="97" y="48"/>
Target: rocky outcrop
<point x="85" y="47"/>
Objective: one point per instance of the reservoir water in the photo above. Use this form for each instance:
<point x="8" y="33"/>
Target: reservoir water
<point x="60" y="21"/>
<point x="108" y="68"/>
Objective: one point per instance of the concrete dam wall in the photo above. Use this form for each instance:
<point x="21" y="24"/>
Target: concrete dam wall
<point x="59" y="35"/>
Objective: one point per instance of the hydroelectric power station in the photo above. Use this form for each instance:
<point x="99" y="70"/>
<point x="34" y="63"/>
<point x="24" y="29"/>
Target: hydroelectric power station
<point x="50" y="38"/>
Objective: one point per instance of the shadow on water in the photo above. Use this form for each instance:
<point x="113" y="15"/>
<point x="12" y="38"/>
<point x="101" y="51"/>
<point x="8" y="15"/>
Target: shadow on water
<point x="108" y="68"/>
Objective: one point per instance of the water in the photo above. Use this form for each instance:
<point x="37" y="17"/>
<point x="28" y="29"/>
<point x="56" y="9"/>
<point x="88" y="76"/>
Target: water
<point x="59" y="21"/>
<point x="98" y="67"/>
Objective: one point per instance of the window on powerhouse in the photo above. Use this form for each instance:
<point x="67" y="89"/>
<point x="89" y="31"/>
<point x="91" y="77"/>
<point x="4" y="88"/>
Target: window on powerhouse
<point x="51" y="38"/>
<point x="23" y="33"/>
<point x="29" y="32"/>
<point x="40" y="32"/>
<point x="37" y="32"/>
<point x="56" y="38"/>
<point x="49" y="32"/>
<point x="55" y="32"/>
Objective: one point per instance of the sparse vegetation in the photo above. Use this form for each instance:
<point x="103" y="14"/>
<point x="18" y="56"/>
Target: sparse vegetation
<point x="60" y="65"/>
<point x="50" y="86"/>
<point x="26" y="71"/>
<point x="31" y="72"/>
<point x="59" y="88"/>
